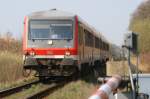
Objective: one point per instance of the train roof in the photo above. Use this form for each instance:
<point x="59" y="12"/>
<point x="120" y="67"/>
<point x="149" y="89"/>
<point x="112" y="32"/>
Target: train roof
<point x="52" y="13"/>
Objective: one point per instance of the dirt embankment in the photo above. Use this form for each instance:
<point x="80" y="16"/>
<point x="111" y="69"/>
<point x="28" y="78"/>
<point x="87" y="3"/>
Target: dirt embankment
<point x="117" y="67"/>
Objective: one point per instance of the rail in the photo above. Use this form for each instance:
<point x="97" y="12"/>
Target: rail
<point x="13" y="90"/>
<point x="50" y="88"/>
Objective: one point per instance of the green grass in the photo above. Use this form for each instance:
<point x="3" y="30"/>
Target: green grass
<point x="75" y="90"/>
<point x="80" y="89"/>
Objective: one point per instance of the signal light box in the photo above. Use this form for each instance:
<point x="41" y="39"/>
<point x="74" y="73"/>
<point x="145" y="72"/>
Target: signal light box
<point x="131" y="41"/>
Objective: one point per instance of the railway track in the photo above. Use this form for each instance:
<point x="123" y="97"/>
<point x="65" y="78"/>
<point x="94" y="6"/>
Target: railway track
<point x="46" y="91"/>
<point x="13" y="90"/>
<point x="49" y="89"/>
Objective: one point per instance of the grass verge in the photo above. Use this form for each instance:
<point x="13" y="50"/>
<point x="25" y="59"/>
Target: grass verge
<point x="75" y="90"/>
<point x="10" y="68"/>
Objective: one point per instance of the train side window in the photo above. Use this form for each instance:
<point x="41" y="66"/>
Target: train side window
<point x="104" y="46"/>
<point x="88" y="38"/>
<point x="100" y="44"/>
<point x="97" y="42"/>
<point x="80" y="37"/>
<point x="107" y="47"/>
<point x="92" y="40"/>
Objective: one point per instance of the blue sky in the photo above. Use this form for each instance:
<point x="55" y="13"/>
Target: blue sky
<point x="111" y="17"/>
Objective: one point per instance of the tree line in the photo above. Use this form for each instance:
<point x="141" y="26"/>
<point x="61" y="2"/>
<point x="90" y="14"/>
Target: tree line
<point x="140" y="23"/>
<point x="9" y="43"/>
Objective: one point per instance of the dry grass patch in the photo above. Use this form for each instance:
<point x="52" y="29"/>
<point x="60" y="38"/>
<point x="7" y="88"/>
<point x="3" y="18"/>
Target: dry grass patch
<point x="121" y="67"/>
<point x="117" y="67"/>
<point x="10" y="62"/>
<point x="10" y="67"/>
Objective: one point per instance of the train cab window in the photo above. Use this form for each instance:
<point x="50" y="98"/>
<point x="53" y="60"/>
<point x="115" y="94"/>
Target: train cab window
<point x="44" y="29"/>
<point x="63" y="31"/>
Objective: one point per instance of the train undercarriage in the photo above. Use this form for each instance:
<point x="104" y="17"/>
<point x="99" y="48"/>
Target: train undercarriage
<point x="52" y="68"/>
<point x="46" y="68"/>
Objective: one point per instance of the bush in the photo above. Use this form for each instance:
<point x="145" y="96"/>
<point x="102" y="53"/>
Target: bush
<point x="10" y="60"/>
<point x="140" y="23"/>
<point x="10" y="45"/>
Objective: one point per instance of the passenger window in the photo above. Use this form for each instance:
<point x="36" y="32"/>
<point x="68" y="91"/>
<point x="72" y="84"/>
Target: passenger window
<point x="80" y="37"/>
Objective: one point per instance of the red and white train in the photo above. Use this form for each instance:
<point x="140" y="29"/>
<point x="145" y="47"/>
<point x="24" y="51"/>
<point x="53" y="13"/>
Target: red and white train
<point x="57" y="43"/>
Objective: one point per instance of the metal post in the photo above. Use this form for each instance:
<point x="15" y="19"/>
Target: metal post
<point x="116" y="96"/>
<point x="137" y="76"/>
<point x="130" y="74"/>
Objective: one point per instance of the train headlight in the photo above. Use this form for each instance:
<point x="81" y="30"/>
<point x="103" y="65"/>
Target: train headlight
<point x="32" y="53"/>
<point x="67" y="53"/>
<point x="50" y="42"/>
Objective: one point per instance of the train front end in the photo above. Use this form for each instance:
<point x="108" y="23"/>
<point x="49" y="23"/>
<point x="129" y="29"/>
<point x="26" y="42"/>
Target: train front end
<point x="50" y="43"/>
